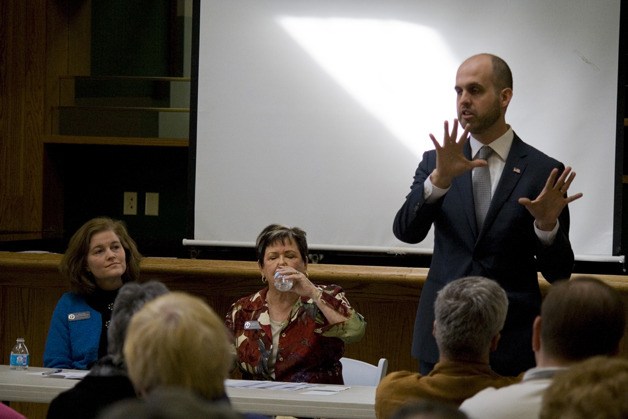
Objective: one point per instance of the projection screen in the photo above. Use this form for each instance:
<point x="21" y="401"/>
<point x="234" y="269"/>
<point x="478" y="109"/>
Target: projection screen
<point x="316" y="113"/>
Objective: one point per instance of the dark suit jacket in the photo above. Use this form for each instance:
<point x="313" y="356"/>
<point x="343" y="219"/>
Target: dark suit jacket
<point x="506" y="250"/>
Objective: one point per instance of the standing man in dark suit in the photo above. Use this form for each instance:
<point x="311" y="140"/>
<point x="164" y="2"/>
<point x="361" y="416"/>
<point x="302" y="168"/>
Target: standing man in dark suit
<point x="525" y="229"/>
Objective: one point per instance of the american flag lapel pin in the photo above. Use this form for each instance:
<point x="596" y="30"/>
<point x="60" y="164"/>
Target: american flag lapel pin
<point x="516" y="170"/>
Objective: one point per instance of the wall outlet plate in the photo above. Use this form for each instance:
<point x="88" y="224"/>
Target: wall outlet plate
<point x="129" y="206"/>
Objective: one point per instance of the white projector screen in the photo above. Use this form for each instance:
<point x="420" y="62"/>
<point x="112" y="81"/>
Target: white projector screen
<point x="316" y="113"/>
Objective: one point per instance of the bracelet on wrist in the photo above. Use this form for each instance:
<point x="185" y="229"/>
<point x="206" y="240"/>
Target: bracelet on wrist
<point x="319" y="295"/>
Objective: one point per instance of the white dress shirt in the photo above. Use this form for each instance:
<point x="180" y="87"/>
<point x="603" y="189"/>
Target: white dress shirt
<point x="517" y="401"/>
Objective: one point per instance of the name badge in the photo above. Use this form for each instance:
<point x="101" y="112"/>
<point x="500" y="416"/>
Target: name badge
<point x="252" y="325"/>
<point x="79" y="316"/>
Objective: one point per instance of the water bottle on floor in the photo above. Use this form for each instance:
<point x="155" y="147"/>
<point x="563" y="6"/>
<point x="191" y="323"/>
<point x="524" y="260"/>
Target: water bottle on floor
<point x="19" y="356"/>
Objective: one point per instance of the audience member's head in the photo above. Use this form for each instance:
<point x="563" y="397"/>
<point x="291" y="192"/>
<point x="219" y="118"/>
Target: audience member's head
<point x="470" y="312"/>
<point x="428" y="409"/>
<point x="177" y="340"/>
<point x="593" y="389"/>
<point x="170" y="403"/>
<point x="130" y="299"/>
<point x="580" y="318"/>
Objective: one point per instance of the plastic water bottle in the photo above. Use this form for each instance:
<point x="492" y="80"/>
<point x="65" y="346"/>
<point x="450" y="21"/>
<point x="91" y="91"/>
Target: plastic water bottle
<point x="282" y="283"/>
<point x="19" y="356"/>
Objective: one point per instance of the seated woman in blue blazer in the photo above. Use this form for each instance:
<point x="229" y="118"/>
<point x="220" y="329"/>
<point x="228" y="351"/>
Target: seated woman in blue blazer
<point x="100" y="258"/>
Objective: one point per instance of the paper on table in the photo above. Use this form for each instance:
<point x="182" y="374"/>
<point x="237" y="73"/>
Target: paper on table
<point x="73" y="375"/>
<point x="278" y="385"/>
<point x="318" y="392"/>
<point x="323" y="390"/>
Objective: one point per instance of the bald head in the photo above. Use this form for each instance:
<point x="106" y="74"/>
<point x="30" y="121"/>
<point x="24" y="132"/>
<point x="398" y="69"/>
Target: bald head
<point x="500" y="71"/>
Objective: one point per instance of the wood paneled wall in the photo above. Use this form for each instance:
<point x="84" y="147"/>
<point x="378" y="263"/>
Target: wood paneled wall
<point x="40" y="40"/>
<point x="22" y="71"/>
<point x="30" y="286"/>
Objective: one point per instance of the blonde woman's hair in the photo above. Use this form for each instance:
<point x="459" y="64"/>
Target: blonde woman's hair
<point x="177" y="340"/>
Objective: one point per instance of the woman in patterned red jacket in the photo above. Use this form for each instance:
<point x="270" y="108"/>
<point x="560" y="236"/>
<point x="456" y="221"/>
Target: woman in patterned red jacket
<point x="292" y="330"/>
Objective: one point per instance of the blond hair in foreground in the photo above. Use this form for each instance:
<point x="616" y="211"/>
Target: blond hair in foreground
<point x="177" y="340"/>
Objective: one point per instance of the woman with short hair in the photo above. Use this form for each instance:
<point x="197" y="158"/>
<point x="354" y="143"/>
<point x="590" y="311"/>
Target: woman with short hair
<point x="296" y="334"/>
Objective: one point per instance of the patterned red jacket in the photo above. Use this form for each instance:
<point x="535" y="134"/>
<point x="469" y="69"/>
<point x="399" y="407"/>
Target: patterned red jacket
<point x="309" y="347"/>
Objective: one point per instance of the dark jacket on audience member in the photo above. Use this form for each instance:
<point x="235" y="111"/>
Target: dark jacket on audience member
<point x="105" y="384"/>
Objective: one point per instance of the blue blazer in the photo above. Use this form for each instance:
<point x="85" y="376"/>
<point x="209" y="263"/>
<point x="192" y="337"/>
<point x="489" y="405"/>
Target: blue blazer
<point x="74" y="334"/>
<point x="506" y="249"/>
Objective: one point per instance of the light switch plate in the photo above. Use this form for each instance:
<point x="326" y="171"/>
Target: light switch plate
<point x="151" y="206"/>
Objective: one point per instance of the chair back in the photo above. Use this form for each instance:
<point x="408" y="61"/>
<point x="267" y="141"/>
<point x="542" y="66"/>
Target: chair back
<point x="360" y="373"/>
